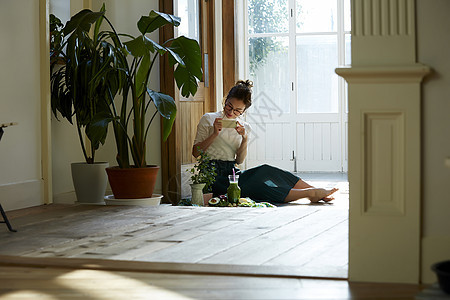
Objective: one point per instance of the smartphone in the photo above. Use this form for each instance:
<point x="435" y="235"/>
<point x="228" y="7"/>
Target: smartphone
<point x="229" y="123"/>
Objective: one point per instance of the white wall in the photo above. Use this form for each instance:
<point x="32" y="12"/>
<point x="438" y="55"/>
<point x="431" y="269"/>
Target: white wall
<point x="20" y="147"/>
<point x="65" y="144"/>
<point x="433" y="36"/>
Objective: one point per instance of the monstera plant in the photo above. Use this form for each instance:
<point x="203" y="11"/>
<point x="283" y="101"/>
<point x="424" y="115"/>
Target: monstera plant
<point x="123" y="82"/>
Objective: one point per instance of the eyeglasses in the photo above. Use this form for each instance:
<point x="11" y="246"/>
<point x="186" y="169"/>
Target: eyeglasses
<point x="236" y="111"/>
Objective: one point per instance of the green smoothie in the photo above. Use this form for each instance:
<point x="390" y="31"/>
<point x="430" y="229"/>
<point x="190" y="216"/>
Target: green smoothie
<point x="233" y="191"/>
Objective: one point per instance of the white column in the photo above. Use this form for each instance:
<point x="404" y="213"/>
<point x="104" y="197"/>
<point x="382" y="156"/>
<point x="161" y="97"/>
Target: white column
<point x="384" y="142"/>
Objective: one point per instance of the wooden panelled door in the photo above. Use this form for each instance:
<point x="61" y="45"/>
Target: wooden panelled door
<point x="194" y="24"/>
<point x="197" y="22"/>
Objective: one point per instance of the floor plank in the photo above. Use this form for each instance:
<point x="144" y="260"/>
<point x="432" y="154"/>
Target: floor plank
<point x="323" y="245"/>
<point x="296" y="238"/>
<point x="281" y="239"/>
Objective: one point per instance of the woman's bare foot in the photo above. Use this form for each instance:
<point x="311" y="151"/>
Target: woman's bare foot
<point x="322" y="194"/>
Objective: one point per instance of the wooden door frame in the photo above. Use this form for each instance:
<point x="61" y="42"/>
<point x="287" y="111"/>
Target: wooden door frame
<point x="228" y="44"/>
<point x="171" y="152"/>
<point x="46" y="132"/>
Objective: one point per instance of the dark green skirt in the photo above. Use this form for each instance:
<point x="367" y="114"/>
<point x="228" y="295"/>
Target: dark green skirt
<point x="261" y="183"/>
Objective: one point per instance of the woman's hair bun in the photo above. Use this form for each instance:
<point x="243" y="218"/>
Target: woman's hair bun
<point x="242" y="90"/>
<point x="246" y="83"/>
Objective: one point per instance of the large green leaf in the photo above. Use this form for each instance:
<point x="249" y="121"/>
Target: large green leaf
<point x="141" y="75"/>
<point x="82" y="21"/>
<point x="98" y="23"/>
<point x="167" y="126"/>
<point x="154" y="45"/>
<point x="142" y="45"/>
<point x="187" y="83"/>
<point x="155" y="20"/>
<point x="187" y="75"/>
<point x="164" y="103"/>
<point x="174" y="58"/>
<point x="97" y="129"/>
<point x="189" y="51"/>
<point x="167" y="109"/>
<point x="136" y="47"/>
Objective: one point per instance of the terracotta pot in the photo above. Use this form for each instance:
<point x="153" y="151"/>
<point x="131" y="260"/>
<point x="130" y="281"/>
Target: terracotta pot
<point x="132" y="183"/>
<point x="206" y="198"/>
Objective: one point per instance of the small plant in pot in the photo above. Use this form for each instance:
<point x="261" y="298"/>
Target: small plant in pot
<point x="75" y="57"/>
<point x="136" y="106"/>
<point x="203" y="177"/>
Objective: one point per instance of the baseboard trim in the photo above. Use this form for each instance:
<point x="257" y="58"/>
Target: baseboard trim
<point x="65" y="198"/>
<point x="21" y="194"/>
<point x="434" y="249"/>
<point x="71" y="197"/>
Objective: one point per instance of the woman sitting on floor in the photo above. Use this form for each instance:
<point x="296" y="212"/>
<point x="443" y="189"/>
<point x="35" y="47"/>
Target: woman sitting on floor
<point x="228" y="147"/>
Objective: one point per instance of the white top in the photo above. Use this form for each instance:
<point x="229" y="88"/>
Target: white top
<point x="225" y="145"/>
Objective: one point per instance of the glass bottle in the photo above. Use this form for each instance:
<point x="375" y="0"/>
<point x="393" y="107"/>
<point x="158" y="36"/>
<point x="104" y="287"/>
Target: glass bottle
<point x="233" y="191"/>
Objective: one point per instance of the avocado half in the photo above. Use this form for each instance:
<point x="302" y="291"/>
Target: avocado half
<point x="214" y="201"/>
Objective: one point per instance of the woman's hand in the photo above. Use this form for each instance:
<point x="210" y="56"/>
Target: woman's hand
<point x="241" y="152"/>
<point x="217" y="126"/>
<point x="204" y="145"/>
<point x="240" y="129"/>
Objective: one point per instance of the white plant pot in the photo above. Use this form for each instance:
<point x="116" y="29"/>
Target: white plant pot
<point x="197" y="193"/>
<point x="152" y="201"/>
<point x="90" y="182"/>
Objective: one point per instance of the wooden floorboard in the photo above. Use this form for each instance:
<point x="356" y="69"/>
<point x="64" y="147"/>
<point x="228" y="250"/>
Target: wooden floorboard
<point x="275" y="241"/>
<point x="328" y="243"/>
<point x="298" y="237"/>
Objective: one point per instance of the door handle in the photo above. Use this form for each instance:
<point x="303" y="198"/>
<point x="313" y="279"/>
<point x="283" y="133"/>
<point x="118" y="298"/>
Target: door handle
<point x="206" y="72"/>
<point x="294" y="158"/>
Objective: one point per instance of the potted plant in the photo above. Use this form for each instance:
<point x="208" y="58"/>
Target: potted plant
<point x="130" y="115"/>
<point x="203" y="176"/>
<point x="75" y="57"/>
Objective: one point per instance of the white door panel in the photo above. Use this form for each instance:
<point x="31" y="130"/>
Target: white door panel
<point x="271" y="143"/>
<point x="318" y="146"/>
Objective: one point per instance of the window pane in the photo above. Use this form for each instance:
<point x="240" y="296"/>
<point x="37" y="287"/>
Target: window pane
<point x="316" y="16"/>
<point x="267" y="16"/>
<point x="347" y="18"/>
<point x="348" y="48"/>
<point x="269" y="71"/>
<point x="316" y="80"/>
<point x="188" y="11"/>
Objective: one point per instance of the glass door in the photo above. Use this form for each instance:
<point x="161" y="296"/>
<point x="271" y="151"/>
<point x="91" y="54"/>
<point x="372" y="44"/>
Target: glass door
<point x="299" y="113"/>
<point x="270" y="56"/>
